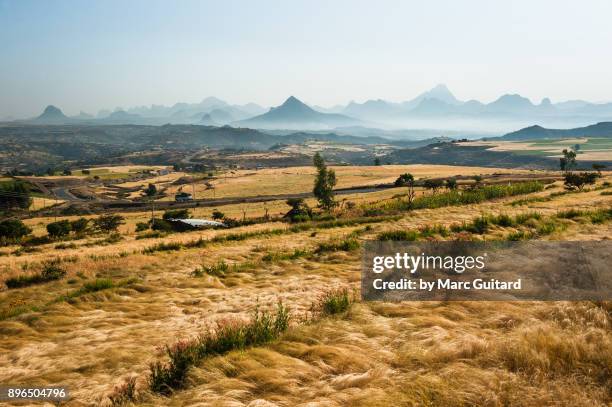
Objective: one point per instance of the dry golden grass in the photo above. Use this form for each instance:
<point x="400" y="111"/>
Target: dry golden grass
<point x="291" y="180"/>
<point x="379" y="354"/>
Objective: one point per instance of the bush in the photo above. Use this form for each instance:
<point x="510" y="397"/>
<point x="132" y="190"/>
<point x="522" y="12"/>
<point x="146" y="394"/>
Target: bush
<point x="50" y="271"/>
<point x="345" y="245"/>
<point x="333" y="302"/>
<point x="59" y="229"/>
<point x="161" y="225"/>
<point x="299" y="212"/>
<point x="217" y="214"/>
<point x="142" y="226"/>
<point x="570" y="214"/>
<point x="399" y="235"/>
<point x="229" y="335"/>
<point x="13" y="229"/>
<point x="79" y="226"/>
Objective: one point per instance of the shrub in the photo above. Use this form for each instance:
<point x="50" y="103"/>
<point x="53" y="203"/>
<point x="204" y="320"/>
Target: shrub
<point x="570" y="214"/>
<point x="518" y="235"/>
<point x="299" y="212"/>
<point x="480" y="225"/>
<point x="142" y="226"/>
<point x="399" y="235"/>
<point x="13" y="229"/>
<point x="229" y="335"/>
<point x="333" y="302"/>
<point x="59" y="229"/>
<point x="522" y="218"/>
<point x="50" y="271"/>
<point x="345" y="245"/>
<point x="79" y="226"/>
<point x="217" y="214"/>
<point x="161" y="247"/>
<point x="161" y="225"/>
<point x="124" y="393"/>
<point x="218" y="270"/>
<point x="502" y="220"/>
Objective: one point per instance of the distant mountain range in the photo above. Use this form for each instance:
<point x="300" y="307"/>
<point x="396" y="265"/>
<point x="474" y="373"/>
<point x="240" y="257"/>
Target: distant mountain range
<point x="435" y="109"/>
<point x="293" y="114"/>
<point x="603" y="129"/>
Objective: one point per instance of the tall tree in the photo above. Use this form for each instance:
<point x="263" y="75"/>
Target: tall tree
<point x="14" y="195"/>
<point x="324" y="184"/>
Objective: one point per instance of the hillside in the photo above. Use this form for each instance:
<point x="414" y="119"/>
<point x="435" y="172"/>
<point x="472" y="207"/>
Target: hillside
<point x="602" y="129"/>
<point x="453" y="154"/>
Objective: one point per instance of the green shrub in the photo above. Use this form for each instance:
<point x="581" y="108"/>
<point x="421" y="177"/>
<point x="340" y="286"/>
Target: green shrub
<point x="79" y="226"/>
<point x="518" y="235"/>
<point x="399" y="235"/>
<point x="229" y="335"/>
<point x="13" y="229"/>
<point x="142" y="226"/>
<point x="570" y="214"/>
<point x="345" y="245"/>
<point x="333" y="302"/>
<point x="51" y="270"/>
<point x="502" y="220"/>
<point x="522" y="218"/>
<point x="437" y="229"/>
<point x="59" y="229"/>
<point x="163" y="247"/>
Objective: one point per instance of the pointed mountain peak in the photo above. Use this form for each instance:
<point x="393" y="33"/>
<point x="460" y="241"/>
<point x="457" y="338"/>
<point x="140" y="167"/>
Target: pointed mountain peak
<point x="52" y="110"/>
<point x="52" y="114"/>
<point x="292" y="100"/>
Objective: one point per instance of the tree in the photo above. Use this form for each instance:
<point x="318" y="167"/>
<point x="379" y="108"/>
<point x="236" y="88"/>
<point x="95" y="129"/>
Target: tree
<point x="451" y="184"/>
<point x="108" y="223"/>
<point x="579" y="180"/>
<point x="13" y="229"/>
<point x="477" y="181"/>
<point x="58" y="229"/>
<point x="568" y="162"/>
<point x="67" y="171"/>
<point x="325" y="181"/>
<point x="376" y="161"/>
<point x="151" y="190"/>
<point x="433" y="184"/>
<point x="407" y="180"/>
<point x="14" y="195"/>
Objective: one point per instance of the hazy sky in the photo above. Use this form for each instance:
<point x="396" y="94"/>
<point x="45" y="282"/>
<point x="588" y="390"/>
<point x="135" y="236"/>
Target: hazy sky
<point x="88" y="55"/>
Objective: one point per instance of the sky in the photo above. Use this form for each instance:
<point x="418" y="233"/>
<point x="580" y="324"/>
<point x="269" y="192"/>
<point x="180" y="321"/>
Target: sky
<point x="90" y="55"/>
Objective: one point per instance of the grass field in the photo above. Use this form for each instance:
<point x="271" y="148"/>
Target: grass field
<point x="299" y="179"/>
<point x="112" y="313"/>
<point x="596" y="149"/>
